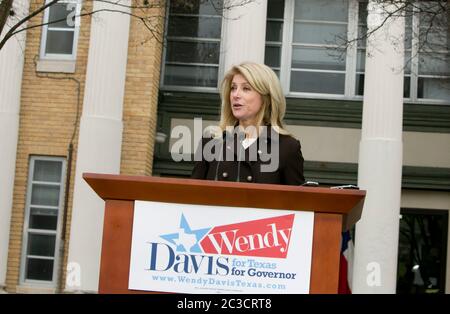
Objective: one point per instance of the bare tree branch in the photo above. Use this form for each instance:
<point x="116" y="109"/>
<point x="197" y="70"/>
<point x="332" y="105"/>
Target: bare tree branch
<point x="5" y="9"/>
<point x="146" y="4"/>
<point x="433" y="30"/>
<point x="134" y="6"/>
<point x="12" y="31"/>
<point x="142" y="19"/>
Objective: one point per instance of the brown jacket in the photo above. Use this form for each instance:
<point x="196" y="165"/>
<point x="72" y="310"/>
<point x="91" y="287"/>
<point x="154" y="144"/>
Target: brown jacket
<point x="290" y="162"/>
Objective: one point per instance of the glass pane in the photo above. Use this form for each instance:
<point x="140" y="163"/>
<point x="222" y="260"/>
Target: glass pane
<point x="272" y="56"/>
<point x="407" y="61"/>
<point x="313" y="82"/>
<point x="47" y="171"/>
<point x="408" y="32"/>
<point x="39" y="269"/>
<point x="44" y="195"/>
<point x="362" y="12"/>
<point x="434" y="64"/>
<point x="60" y="42"/>
<point x="434" y="88"/>
<point x="318" y="58"/>
<point x="436" y="19"/>
<point x="274" y="31"/>
<point x="59" y="11"/>
<point x="316" y="33"/>
<point x="434" y="31"/>
<point x="190" y="75"/>
<point x="406" y="87"/>
<point x="192" y="52"/>
<point x="361" y="60"/>
<point x="41" y="244"/>
<point x="422" y="252"/>
<point x="210" y="7"/>
<point x="322" y="10"/>
<point x="359" y="88"/>
<point x="362" y="33"/>
<point x="434" y="39"/>
<point x="275" y="9"/>
<point x="41" y="218"/>
<point x="203" y="27"/>
<point x="433" y="13"/>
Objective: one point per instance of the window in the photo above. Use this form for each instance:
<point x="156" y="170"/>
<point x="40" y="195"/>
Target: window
<point x="305" y="45"/>
<point x="422" y="251"/>
<point x="42" y="225"/>
<point x="302" y="45"/>
<point x="60" y="35"/>
<point x="432" y="32"/>
<point x="274" y="34"/>
<point x="361" y="51"/>
<point x="427" y="58"/>
<point x="192" y="50"/>
<point x="315" y="68"/>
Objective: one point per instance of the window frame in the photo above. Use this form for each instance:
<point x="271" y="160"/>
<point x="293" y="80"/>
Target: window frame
<point x="27" y="230"/>
<point x="286" y="55"/>
<point x="220" y="66"/>
<point x="285" y="69"/>
<point x="415" y="75"/>
<point x="350" y="92"/>
<point x="75" y="30"/>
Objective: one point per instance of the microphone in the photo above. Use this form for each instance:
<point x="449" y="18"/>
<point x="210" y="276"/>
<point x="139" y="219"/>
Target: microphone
<point x="220" y="157"/>
<point x="241" y="135"/>
<point x="238" y="178"/>
<point x="218" y="163"/>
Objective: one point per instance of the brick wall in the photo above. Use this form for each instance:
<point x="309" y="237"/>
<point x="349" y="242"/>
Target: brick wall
<point x="48" y="118"/>
<point x="141" y="93"/>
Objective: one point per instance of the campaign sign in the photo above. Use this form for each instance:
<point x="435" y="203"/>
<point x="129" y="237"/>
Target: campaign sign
<point x="217" y="249"/>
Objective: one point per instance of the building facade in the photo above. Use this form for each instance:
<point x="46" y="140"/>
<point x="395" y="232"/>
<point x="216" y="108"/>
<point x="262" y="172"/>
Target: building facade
<point x="94" y="95"/>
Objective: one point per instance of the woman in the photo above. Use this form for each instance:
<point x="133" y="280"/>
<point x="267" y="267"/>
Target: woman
<point x="252" y="145"/>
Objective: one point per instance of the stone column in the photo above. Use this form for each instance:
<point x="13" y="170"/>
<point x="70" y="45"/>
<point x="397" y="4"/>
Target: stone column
<point x="245" y="33"/>
<point x="11" y="68"/>
<point x="380" y="154"/>
<point x="100" y="140"/>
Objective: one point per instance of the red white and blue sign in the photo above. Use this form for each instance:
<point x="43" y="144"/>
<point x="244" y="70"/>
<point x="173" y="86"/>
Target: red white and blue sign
<point x="215" y="249"/>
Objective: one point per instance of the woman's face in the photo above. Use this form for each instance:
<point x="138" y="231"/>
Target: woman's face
<point x="245" y="101"/>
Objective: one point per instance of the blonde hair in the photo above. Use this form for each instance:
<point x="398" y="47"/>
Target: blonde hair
<point x="263" y="80"/>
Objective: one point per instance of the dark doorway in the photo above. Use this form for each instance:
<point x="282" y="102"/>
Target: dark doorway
<point x="422" y="251"/>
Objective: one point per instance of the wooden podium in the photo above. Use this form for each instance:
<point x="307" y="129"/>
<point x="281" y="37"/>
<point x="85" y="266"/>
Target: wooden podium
<point x="335" y="211"/>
